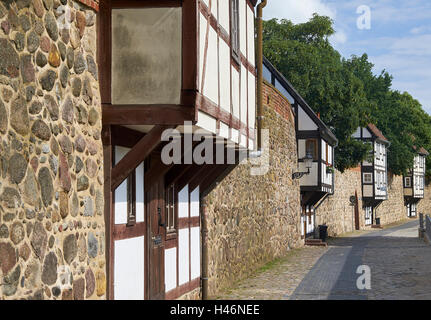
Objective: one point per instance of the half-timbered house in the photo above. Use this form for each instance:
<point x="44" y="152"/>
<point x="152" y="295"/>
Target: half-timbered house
<point x="183" y="65"/>
<point x="316" y="144"/>
<point x="414" y="183"/>
<point x="374" y="171"/>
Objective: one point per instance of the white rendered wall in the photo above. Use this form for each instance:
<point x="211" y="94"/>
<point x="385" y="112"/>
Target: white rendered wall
<point x="170" y="269"/>
<point x="129" y="269"/>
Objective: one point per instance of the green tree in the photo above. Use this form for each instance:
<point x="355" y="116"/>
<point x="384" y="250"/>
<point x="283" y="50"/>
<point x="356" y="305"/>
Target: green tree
<point x="398" y="115"/>
<point x="304" y="55"/>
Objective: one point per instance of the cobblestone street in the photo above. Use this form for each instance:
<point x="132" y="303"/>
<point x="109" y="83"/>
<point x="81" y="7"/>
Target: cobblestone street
<point x="398" y="260"/>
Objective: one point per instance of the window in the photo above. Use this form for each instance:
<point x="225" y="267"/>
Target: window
<point x="234" y="32"/>
<point x="170" y="209"/>
<point x="311" y="148"/>
<point x="408" y="182"/>
<point x="131" y="199"/>
<point x="368" y="178"/>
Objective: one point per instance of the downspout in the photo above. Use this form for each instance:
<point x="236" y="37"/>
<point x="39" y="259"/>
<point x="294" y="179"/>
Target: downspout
<point x="259" y="62"/>
<point x="204" y="247"/>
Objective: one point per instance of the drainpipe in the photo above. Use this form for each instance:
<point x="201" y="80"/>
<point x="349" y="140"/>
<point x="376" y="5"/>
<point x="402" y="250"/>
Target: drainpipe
<point x="204" y="246"/>
<point x="259" y="62"/>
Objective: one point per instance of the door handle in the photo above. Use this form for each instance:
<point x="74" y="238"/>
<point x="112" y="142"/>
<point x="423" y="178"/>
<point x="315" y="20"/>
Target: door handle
<point x="159" y="212"/>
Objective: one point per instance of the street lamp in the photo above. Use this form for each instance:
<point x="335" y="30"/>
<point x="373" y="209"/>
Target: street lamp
<point x="308" y="161"/>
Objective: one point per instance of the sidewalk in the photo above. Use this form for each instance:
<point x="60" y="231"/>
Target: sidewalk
<point x="277" y="280"/>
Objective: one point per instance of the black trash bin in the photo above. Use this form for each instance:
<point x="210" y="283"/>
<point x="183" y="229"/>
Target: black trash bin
<point x="323" y="233"/>
<point x="378" y="221"/>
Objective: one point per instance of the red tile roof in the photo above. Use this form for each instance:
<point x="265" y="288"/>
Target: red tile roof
<point x="377" y="132"/>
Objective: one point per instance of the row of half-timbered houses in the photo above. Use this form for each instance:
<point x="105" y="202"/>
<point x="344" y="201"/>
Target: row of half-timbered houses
<point x="181" y="85"/>
<point x="189" y="67"/>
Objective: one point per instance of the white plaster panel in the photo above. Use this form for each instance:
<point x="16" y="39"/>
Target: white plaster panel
<point x="183" y="202"/>
<point x="243" y="27"/>
<point x="243" y="141"/>
<point x="224" y="16"/>
<point x="195" y="249"/>
<point x="224" y="130"/>
<point x="214" y="9"/>
<point x="120" y="206"/>
<point x="368" y="190"/>
<point x="202" y="34"/>
<point x="140" y="201"/>
<point x="251" y="100"/>
<point x="183" y="256"/>
<point x="194" y="205"/>
<point x="250" y="35"/>
<point x="357" y="133"/>
<point x="129" y="270"/>
<point x="235" y="135"/>
<point x="244" y="95"/>
<point x="211" y="89"/>
<point x="309" y="179"/>
<point x="225" y="67"/>
<point x="323" y="150"/>
<point x="250" y="144"/>
<point x="235" y="92"/>
<point x="207" y="122"/>
<point x="170" y="269"/>
<point x="305" y="122"/>
<point x="366" y="133"/>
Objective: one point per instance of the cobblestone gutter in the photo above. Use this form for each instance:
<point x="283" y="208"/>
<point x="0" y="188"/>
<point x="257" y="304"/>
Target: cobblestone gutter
<point x="51" y="175"/>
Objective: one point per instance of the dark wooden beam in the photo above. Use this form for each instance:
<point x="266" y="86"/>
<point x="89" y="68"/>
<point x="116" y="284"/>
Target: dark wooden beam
<point x="175" y="173"/>
<point x="125" y="137"/>
<point x="189" y="175"/>
<point x="156" y="171"/>
<point x="137" y="155"/>
<point x="147" y="114"/>
<point x="108" y="212"/>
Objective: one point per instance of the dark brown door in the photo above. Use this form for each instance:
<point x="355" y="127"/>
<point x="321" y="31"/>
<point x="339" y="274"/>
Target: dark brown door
<point x="156" y="244"/>
<point x="357" y="225"/>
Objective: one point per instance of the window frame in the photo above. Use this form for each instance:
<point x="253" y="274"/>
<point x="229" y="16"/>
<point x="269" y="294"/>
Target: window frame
<point x="315" y="151"/>
<point x="407" y="185"/>
<point x="131" y="199"/>
<point x="171" y="194"/>
<point x="235" y="44"/>
<point x="368" y="174"/>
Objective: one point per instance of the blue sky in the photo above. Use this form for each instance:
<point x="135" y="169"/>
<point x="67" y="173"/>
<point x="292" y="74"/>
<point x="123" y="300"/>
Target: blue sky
<point x="399" y="39"/>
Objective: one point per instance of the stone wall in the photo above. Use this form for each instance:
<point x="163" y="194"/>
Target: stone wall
<point x="424" y="206"/>
<point x="254" y="219"/>
<point x="393" y="209"/>
<point x="51" y="174"/>
<point x="336" y="211"/>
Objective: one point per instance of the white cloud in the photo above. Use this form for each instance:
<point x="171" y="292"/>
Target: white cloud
<point x="340" y="37"/>
<point x="297" y="11"/>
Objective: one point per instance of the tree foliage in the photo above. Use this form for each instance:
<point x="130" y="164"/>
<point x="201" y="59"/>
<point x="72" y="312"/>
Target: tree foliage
<point x="346" y="92"/>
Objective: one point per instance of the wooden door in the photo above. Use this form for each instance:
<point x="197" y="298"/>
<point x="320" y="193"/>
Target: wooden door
<point x="156" y="243"/>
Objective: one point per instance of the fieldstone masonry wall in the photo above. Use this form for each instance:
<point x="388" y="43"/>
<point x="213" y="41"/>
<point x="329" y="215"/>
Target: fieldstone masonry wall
<point x="336" y="211"/>
<point x="51" y="174"/>
<point x="393" y="209"/>
<point x="424" y="205"/>
<point x="254" y="219"/>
